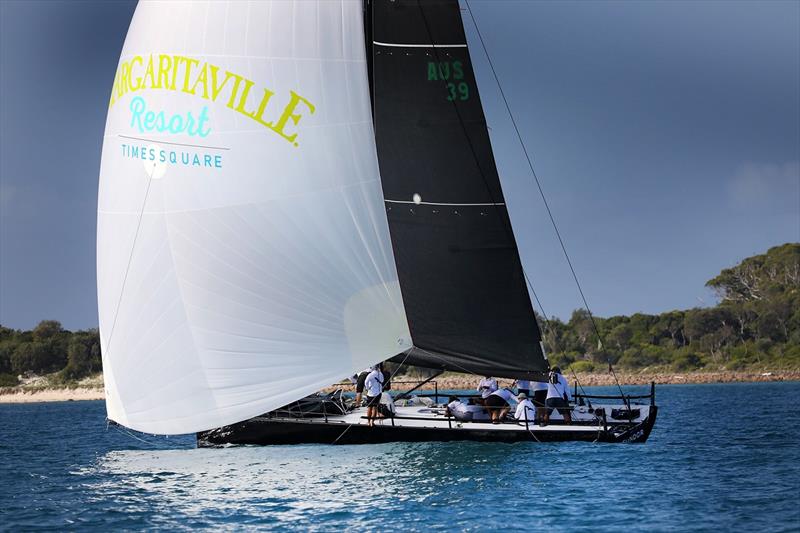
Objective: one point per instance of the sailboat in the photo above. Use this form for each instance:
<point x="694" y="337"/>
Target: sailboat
<point x="292" y="191"/>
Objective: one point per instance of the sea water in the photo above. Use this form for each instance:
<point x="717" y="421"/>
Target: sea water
<point x="721" y="457"/>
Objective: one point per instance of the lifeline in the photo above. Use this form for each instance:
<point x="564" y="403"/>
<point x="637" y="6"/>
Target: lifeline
<point x="198" y="78"/>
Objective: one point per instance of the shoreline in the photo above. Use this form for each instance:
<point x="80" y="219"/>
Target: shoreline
<point x="20" y="395"/>
<point x="17" y="395"/>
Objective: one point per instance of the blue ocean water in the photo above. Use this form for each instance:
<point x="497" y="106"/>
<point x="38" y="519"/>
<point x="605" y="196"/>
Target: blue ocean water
<point x="721" y="457"/>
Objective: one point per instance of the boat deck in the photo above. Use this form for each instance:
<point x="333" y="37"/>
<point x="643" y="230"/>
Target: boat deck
<point x="435" y="418"/>
<point x="420" y="423"/>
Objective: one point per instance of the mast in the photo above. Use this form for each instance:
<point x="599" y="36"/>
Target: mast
<point x="459" y="268"/>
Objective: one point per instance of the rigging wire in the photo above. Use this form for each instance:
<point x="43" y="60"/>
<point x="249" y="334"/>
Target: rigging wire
<point x="506" y="228"/>
<point x="130" y="434"/>
<point x="600" y="337"/>
<point x="130" y="258"/>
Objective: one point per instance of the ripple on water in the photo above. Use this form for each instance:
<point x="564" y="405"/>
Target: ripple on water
<point x="736" y="469"/>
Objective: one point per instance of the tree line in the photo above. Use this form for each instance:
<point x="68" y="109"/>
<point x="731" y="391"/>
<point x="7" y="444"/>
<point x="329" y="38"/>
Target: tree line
<point x="46" y="349"/>
<point x="755" y="324"/>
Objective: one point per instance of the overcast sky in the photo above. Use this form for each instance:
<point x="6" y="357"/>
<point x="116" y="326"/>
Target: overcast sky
<point x="666" y="136"/>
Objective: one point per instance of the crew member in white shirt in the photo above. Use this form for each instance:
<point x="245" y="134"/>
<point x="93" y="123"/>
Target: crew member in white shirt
<point x="362" y="377"/>
<point x="558" y="396"/>
<point x="457" y="409"/>
<point x="497" y="404"/>
<point x="525" y="409"/>
<point x="487" y="386"/>
<point x="374" y="386"/>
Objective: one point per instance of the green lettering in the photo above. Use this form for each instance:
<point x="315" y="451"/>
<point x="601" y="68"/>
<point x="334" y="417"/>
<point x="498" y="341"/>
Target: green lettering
<point x="463" y="90"/>
<point x="432" y="71"/>
<point x="458" y="72"/>
<point x="451" y="87"/>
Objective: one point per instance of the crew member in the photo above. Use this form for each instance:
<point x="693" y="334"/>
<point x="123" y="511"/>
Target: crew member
<point x="497" y="404"/>
<point x="362" y="377"/>
<point x="558" y="396"/>
<point x="457" y="409"/>
<point x="487" y="386"/>
<point x="374" y="386"/>
<point x="525" y="409"/>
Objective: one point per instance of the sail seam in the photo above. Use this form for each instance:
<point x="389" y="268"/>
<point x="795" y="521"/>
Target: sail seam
<point x="445" y="203"/>
<point x="255" y="204"/>
<point x="430" y="45"/>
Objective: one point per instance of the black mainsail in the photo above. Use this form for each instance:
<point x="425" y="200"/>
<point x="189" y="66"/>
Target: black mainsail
<point x="459" y="269"/>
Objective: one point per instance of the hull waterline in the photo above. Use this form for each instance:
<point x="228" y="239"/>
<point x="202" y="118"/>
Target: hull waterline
<point x="272" y="431"/>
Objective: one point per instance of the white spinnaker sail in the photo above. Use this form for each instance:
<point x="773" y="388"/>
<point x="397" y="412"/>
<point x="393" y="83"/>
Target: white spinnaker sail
<point x="242" y="279"/>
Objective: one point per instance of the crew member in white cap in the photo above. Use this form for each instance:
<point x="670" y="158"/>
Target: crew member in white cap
<point x="525" y="409"/>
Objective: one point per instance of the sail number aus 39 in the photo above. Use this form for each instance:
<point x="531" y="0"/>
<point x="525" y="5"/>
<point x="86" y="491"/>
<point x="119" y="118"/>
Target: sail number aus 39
<point x="451" y="72"/>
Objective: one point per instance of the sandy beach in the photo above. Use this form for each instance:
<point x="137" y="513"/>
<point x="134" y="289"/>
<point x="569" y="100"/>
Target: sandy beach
<point x="448" y="381"/>
<point x="19" y="395"/>
<point x="468" y="382"/>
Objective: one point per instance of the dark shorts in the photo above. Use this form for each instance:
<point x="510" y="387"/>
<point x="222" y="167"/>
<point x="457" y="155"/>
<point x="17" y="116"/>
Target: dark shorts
<point x="373" y="401"/>
<point x="495" y="402"/>
<point x="362" y="377"/>
<point x="539" y="397"/>
<point x="557" y="403"/>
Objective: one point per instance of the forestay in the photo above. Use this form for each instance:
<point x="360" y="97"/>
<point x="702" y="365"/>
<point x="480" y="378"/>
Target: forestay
<point x="243" y="252"/>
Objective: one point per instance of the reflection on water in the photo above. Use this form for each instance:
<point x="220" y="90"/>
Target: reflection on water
<point x="314" y="485"/>
<point x="299" y="485"/>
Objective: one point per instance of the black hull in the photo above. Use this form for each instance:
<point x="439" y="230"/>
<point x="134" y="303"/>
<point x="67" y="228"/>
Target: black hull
<point x="265" y="431"/>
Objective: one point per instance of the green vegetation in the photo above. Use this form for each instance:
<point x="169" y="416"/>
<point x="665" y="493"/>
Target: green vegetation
<point x="755" y="325"/>
<point x="47" y="349"/>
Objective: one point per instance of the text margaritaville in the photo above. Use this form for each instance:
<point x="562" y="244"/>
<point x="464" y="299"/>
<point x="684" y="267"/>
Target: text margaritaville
<point x="202" y="79"/>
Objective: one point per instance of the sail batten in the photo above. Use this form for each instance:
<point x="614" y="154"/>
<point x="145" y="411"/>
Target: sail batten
<point x="421" y="45"/>
<point x="478" y="204"/>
